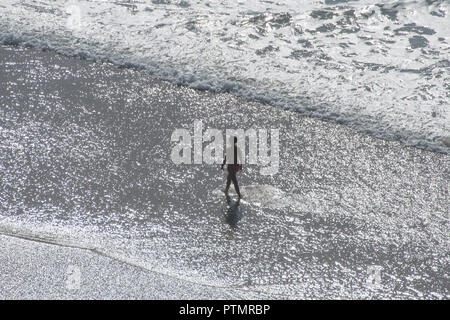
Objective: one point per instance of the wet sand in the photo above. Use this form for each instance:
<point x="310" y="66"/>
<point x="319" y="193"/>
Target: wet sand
<point x="86" y="146"/>
<point x="37" y="270"/>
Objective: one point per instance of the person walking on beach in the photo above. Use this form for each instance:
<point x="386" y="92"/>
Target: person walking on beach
<point x="233" y="166"/>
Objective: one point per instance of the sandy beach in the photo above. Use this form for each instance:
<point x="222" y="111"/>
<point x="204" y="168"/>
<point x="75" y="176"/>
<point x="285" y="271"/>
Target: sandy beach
<point x="35" y="270"/>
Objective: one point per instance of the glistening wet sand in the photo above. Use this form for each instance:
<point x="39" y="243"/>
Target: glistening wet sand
<point x="86" y="146"/>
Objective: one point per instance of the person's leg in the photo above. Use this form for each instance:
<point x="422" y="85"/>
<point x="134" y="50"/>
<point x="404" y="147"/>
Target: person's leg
<point x="235" y="183"/>
<point x="228" y="182"/>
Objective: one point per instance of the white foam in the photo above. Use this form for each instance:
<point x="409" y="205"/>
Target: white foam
<point x="362" y="63"/>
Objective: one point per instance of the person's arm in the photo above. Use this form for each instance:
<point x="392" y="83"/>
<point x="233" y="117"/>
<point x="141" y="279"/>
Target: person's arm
<point x="223" y="163"/>
<point x="241" y="162"/>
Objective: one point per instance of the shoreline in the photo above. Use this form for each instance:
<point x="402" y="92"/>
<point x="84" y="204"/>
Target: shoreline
<point x="101" y="277"/>
<point x="443" y="147"/>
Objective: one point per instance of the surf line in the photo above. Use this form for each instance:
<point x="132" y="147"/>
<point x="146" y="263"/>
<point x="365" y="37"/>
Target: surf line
<point x="212" y="153"/>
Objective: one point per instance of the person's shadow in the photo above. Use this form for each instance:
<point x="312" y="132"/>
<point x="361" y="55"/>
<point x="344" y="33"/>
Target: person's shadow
<point x="233" y="214"/>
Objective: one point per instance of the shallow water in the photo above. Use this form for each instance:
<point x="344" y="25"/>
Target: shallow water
<point x="85" y="162"/>
<point x="380" y="67"/>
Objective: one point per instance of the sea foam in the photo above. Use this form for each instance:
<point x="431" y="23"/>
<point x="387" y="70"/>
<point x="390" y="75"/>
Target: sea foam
<point x="381" y="68"/>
